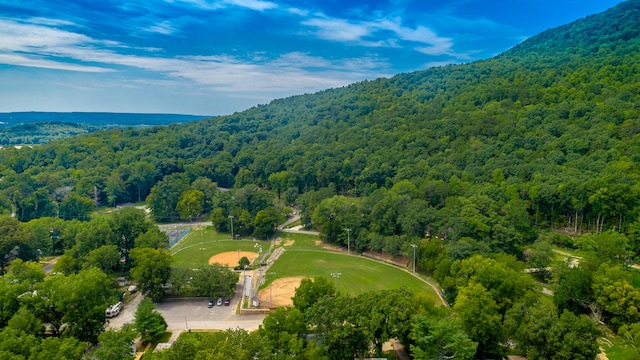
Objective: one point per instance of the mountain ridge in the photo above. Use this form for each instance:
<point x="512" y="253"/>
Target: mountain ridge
<point x="530" y="118"/>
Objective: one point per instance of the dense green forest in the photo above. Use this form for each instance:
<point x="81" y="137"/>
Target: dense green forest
<point x="481" y="164"/>
<point x="41" y="133"/>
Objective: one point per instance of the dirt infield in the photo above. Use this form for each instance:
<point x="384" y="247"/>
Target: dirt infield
<point x="281" y="292"/>
<point x="231" y="258"/>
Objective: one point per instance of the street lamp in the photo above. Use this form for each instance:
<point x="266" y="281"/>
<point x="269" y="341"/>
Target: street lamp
<point x="231" y="218"/>
<point x="348" y="241"/>
<point x="414" y="246"/>
<point x="335" y="276"/>
<point x="202" y="254"/>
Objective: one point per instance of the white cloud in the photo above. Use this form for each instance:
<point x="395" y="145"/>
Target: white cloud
<point x="380" y="33"/>
<point x="27" y="37"/>
<point x="338" y="29"/>
<point x="164" y="27"/>
<point x="19" y="60"/>
<point x="39" y="46"/>
<point x="258" y="5"/>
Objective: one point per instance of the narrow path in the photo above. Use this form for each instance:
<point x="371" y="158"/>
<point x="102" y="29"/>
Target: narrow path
<point x="290" y="220"/>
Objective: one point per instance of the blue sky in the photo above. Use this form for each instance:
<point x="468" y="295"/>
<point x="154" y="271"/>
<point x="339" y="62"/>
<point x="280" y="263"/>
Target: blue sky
<point x="215" y="57"/>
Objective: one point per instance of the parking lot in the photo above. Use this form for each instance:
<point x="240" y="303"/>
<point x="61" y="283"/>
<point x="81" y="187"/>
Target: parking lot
<point x="184" y="315"/>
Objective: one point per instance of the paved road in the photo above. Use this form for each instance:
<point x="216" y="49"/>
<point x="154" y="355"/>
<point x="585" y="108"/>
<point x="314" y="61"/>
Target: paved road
<point x="127" y="314"/>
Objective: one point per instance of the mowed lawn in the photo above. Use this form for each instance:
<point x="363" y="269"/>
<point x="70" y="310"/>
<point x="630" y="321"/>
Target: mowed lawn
<point x="188" y="253"/>
<point x="357" y="274"/>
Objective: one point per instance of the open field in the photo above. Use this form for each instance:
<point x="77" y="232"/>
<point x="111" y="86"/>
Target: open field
<point x="303" y="257"/>
<point x="357" y="275"/>
<point x="188" y="253"/>
<point x="300" y="241"/>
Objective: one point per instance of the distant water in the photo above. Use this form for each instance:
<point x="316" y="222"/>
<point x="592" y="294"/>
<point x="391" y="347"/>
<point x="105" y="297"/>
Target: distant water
<point x="96" y="118"/>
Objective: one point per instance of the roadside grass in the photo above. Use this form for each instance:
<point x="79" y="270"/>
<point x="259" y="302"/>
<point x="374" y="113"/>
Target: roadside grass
<point x="162" y="338"/>
<point x="301" y="241"/>
<point x="358" y="275"/>
<point x="616" y="349"/>
<point x="293" y="224"/>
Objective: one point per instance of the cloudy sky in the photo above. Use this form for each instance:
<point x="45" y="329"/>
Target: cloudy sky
<point x="214" y="57"/>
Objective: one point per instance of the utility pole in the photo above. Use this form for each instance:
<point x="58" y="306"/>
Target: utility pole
<point x="202" y="254"/>
<point x="414" y="246"/>
<point x="348" y="241"/>
<point x="335" y="276"/>
<point x="231" y="218"/>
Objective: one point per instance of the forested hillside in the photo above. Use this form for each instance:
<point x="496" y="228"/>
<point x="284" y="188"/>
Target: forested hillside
<point x="542" y="136"/>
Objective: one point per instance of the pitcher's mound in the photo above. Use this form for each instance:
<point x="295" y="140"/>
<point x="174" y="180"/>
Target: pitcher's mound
<point x="281" y="292"/>
<point x="232" y="258"/>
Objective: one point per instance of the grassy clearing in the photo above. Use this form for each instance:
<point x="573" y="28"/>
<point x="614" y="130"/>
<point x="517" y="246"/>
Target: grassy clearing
<point x="357" y="275"/>
<point x="301" y="241"/>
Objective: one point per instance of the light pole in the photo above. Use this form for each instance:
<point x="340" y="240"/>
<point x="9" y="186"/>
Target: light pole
<point x="335" y="276"/>
<point x="270" y="288"/>
<point x="414" y="246"/>
<point x="348" y="241"/>
<point x="231" y="218"/>
<point x="202" y="254"/>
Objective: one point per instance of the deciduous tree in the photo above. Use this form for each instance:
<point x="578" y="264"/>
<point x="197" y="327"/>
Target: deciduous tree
<point x="148" y="322"/>
<point x="151" y="269"/>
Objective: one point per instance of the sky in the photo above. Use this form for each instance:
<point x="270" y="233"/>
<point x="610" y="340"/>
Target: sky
<point x="216" y="57"/>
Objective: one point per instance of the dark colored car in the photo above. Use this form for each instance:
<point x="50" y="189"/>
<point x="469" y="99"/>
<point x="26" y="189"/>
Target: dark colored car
<point x="227" y="301"/>
<point x="210" y="304"/>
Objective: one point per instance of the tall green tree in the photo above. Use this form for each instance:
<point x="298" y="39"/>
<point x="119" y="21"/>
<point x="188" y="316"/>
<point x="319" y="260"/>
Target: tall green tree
<point x="106" y="258"/>
<point x="127" y="224"/>
<point x="152" y="238"/>
<point x="148" y="322"/>
<point x="151" y="269"/>
<point x="190" y="204"/>
<point x="479" y="314"/>
<point x="440" y="339"/>
<point x="15" y="241"/>
<point x="76" y="206"/>
<point x="265" y="223"/>
<point x="310" y="291"/>
<point x="115" y="344"/>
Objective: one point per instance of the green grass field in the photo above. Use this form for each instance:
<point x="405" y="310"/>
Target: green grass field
<point x="303" y="257"/>
<point x="187" y="253"/>
<point x="357" y="275"/>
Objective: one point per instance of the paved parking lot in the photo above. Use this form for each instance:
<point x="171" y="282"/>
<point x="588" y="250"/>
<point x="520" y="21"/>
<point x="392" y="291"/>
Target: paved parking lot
<point x="183" y="315"/>
<point x="195" y="315"/>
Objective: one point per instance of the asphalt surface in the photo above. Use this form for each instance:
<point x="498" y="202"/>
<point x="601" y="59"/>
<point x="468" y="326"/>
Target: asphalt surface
<point x="185" y="315"/>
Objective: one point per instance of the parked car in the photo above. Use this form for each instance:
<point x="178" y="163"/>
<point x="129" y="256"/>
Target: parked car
<point x="210" y="304"/>
<point x="219" y="303"/>
<point x="227" y="301"/>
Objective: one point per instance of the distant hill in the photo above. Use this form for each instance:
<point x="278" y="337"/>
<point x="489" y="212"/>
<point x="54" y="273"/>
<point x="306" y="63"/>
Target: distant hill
<point x="20" y="128"/>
